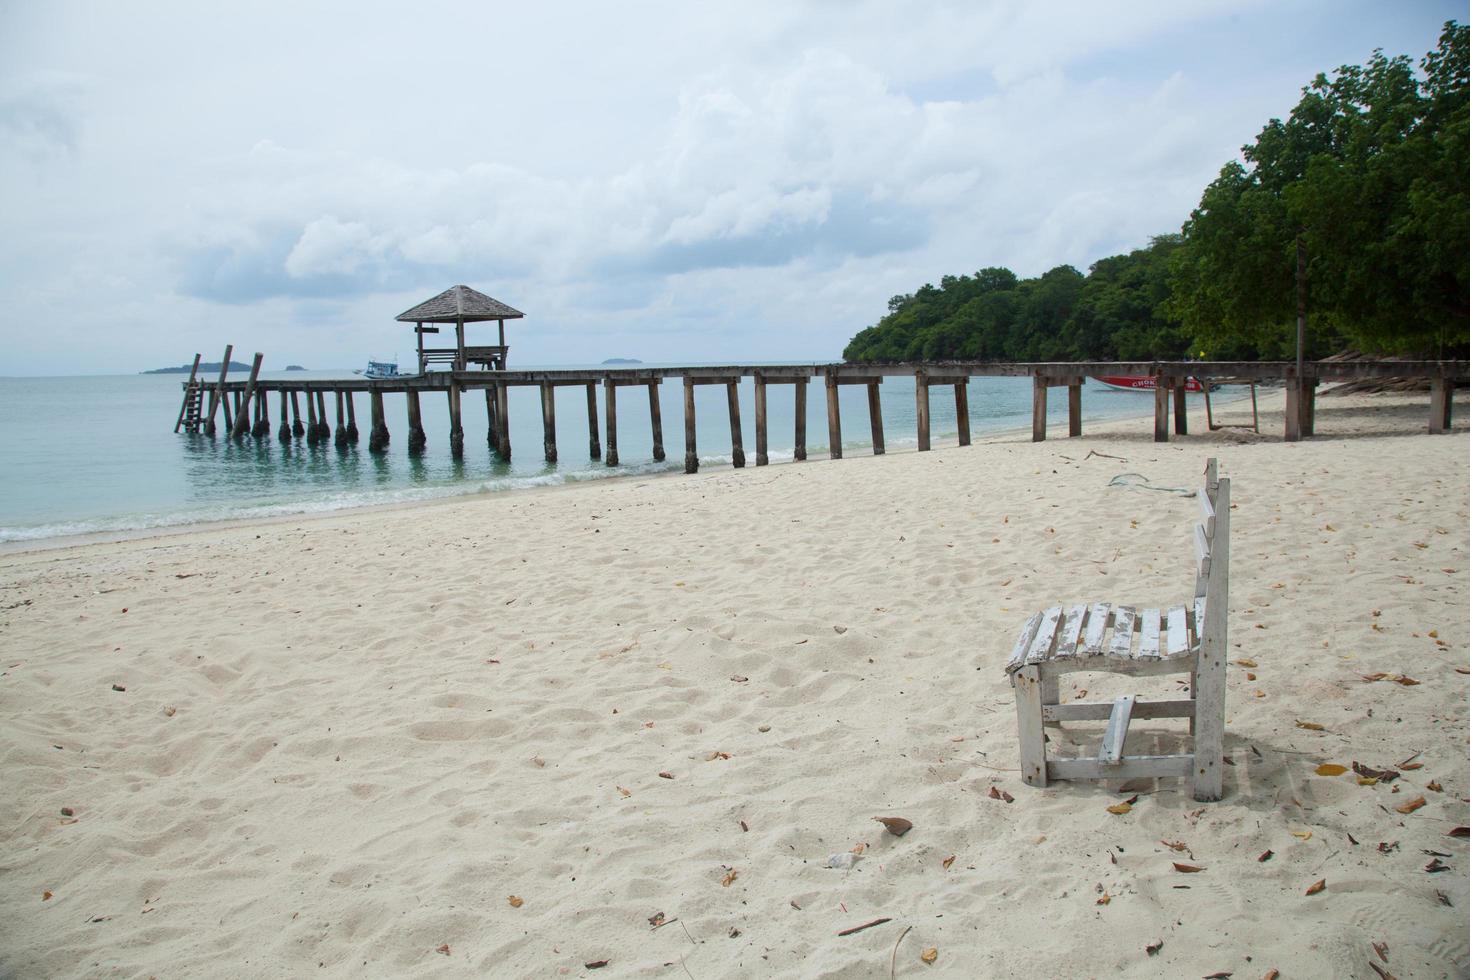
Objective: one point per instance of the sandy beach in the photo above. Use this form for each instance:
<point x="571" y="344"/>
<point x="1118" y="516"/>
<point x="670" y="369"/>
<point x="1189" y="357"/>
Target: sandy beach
<point x="511" y="735"/>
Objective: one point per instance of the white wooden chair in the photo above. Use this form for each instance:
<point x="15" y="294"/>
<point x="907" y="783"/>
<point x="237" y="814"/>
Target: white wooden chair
<point x="1120" y="639"/>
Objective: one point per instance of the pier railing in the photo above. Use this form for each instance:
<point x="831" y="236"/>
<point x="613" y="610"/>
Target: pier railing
<point x="246" y="404"/>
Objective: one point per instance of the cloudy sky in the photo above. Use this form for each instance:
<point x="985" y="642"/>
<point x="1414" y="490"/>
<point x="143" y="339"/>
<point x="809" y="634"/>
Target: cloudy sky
<point x="670" y="181"/>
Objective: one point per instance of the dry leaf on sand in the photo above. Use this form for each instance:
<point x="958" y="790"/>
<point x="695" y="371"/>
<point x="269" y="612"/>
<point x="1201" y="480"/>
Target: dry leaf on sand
<point x="930" y="955"/>
<point x="516" y="901"/>
<point x="1331" y="769"/>
<point x="1411" y="805"/>
<point x="1320" y="885"/>
<point x="897" y="826"/>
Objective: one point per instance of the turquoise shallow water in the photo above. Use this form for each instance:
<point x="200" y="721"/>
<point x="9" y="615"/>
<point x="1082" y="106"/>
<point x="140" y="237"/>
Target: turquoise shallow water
<point x="98" y="454"/>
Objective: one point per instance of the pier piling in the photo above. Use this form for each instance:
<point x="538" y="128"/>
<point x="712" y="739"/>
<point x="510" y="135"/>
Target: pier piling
<point x="262" y="427"/>
<point x="456" y="424"/>
<point x="285" y="434"/>
<point x="1074" y="409"/>
<point x="218" y="396"/>
<point x="834" y="419"/>
<point x="548" y="420"/>
<point x="656" y="419"/>
<point x="242" y="414"/>
<point x="737" y="438"/>
<point x="1441" y="404"/>
<point x="312" y="436"/>
<point x="610" y="396"/>
<point x="962" y="409"/>
<point x="417" y="440"/>
<point x="1161" y="410"/>
<point x="340" y="437"/>
<point x="378" y="438"/>
<point x="297" y="429"/>
<point x="502" y="422"/>
<point x="798" y="448"/>
<point x="1181" y="407"/>
<point x="875" y="417"/>
<point x="351" y="419"/>
<point x="1038" y="409"/>
<point x="490" y="416"/>
<point x="762" y="456"/>
<point x="921" y="408"/>
<point x="691" y="450"/>
<point x="594" y="443"/>
<point x="323" y="429"/>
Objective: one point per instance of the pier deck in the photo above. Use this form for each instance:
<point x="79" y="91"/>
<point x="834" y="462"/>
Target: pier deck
<point x="246" y="404"/>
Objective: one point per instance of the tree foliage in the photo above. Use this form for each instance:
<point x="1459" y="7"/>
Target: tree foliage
<point x="1112" y="312"/>
<point x="1372" y="172"/>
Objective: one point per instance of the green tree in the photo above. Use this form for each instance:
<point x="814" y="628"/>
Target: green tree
<point x="1370" y="173"/>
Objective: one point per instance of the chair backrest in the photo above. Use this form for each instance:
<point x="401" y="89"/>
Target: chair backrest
<point x="1212" y="554"/>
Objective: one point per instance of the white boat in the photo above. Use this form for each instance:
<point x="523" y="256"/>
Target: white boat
<point x="379" y="370"/>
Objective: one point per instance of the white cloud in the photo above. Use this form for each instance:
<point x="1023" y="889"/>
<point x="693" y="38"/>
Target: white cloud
<point x="763" y="176"/>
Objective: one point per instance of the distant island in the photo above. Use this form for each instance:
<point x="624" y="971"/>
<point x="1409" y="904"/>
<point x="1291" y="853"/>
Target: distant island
<point x="204" y="367"/>
<point x="294" y="367"/>
<point x="610" y="360"/>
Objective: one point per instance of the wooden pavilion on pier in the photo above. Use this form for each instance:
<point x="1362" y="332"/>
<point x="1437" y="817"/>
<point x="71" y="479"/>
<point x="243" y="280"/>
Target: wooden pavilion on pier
<point x="459" y="305"/>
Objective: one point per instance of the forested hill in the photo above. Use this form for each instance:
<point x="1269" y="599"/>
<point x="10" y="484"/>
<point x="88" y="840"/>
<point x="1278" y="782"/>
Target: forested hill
<point x="1112" y="313"/>
<point x="1359" y="202"/>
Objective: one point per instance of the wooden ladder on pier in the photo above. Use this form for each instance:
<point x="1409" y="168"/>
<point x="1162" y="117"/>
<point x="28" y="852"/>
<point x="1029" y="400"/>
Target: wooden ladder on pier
<point x="191" y="412"/>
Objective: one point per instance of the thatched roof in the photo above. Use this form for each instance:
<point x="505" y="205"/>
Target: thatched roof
<point x="459" y="303"/>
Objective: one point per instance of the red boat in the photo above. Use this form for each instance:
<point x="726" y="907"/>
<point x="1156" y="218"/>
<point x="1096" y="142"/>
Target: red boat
<point x="1143" y="382"/>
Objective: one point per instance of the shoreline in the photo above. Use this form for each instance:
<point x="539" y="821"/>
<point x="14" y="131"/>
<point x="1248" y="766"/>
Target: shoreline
<point x="898" y="447"/>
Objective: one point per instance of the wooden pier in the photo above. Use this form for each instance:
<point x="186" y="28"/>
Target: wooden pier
<point x="244" y="404"/>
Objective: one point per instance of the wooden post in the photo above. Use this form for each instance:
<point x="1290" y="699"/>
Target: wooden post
<point x="921" y="409"/>
<point x="218" y="397"/>
<point x="656" y="418"/>
<point x="1181" y="410"/>
<point x="502" y="421"/>
<point x="1309" y="406"/>
<point x="1161" y="409"/>
<point x="594" y="444"/>
<point x="799" y="449"/>
<point x="834" y="419"/>
<point x="242" y="414"/>
<point x="762" y="454"/>
<point x="490" y="416"/>
<point x="378" y="437"/>
<point x="297" y="429"/>
<point x="962" y="409"/>
<point x="456" y="424"/>
<point x="311" y="431"/>
<point x="341" y="434"/>
<point x="1074" y="409"/>
<point x="188" y="393"/>
<point x="737" y="438"/>
<point x="262" y="415"/>
<point x="548" y="421"/>
<point x="875" y="418"/>
<point x="285" y="434"/>
<point x="417" y="439"/>
<point x="351" y="418"/>
<point x="324" y="429"/>
<point x="1038" y="409"/>
<point x="1440" y="390"/>
<point x="1255" y="411"/>
<point x="610" y="396"/>
<point x="1293" y="409"/>
<point x="691" y="450"/>
<point x="1204" y="383"/>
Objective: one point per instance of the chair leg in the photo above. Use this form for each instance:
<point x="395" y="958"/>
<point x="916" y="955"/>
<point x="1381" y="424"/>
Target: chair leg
<point x="1209" y="737"/>
<point x="1032" y="740"/>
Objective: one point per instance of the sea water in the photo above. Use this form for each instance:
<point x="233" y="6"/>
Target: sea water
<point x="97" y="454"/>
